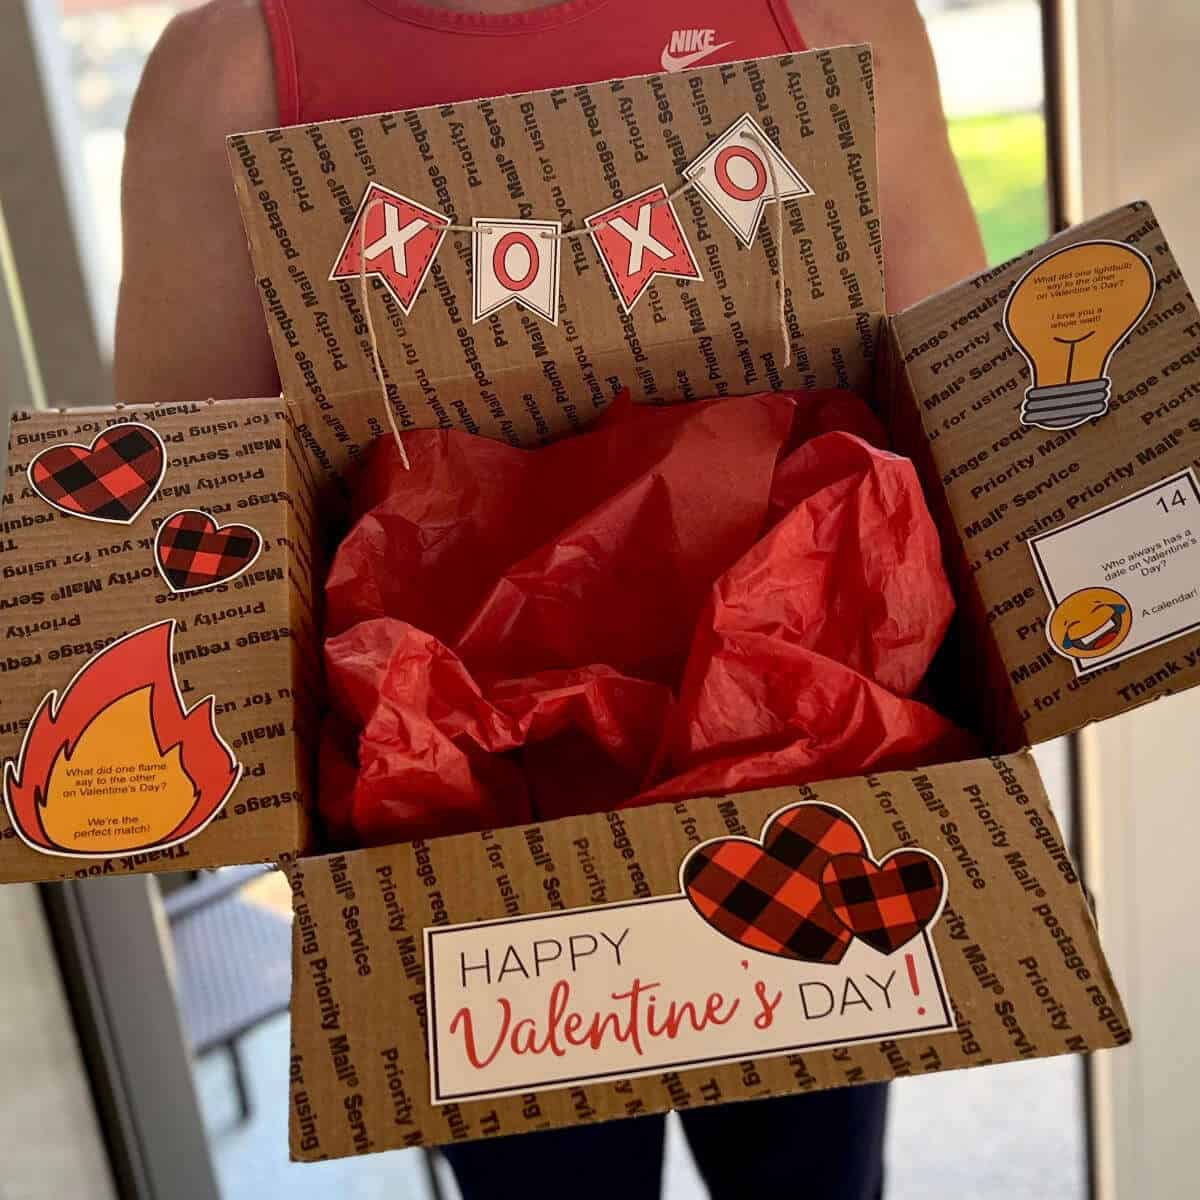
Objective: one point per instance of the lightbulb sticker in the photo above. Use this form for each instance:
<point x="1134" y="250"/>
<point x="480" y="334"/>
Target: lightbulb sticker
<point x="1068" y="315"/>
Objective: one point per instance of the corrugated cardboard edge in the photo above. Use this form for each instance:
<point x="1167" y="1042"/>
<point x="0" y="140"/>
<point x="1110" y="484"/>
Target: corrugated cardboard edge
<point x="305" y="567"/>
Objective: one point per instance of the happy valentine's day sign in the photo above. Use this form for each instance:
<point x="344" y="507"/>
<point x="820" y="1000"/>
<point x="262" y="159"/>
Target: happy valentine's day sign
<point x="798" y="940"/>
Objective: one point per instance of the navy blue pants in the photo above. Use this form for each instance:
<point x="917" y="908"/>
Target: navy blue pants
<point x="814" y="1146"/>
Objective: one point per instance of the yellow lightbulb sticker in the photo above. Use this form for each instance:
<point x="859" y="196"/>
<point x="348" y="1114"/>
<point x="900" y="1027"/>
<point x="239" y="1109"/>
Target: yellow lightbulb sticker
<point x="1068" y="314"/>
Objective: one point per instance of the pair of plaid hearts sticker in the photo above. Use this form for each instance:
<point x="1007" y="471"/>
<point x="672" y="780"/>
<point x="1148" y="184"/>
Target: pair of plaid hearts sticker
<point x="810" y="886"/>
<point x="115" y="478"/>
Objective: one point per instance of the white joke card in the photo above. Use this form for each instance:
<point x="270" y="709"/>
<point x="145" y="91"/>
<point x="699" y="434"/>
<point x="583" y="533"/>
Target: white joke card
<point x="1124" y="578"/>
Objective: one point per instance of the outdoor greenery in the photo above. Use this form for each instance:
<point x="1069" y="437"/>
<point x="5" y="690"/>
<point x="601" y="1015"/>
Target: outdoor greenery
<point x="1003" y="160"/>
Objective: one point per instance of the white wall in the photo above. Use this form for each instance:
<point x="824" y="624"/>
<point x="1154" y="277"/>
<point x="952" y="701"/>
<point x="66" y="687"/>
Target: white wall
<point x="1135" y="101"/>
<point x="1132" y="70"/>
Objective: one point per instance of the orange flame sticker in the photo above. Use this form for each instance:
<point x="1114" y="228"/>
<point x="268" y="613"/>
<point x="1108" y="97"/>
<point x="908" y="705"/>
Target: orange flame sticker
<point x="116" y="764"/>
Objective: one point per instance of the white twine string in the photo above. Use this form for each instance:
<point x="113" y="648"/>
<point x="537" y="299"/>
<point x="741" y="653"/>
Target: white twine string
<point x="564" y="235"/>
<point x="366" y="303"/>
<point x="780" y="278"/>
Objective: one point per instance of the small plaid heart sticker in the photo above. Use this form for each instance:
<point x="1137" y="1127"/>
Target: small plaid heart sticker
<point x="111" y="480"/>
<point x="193" y="552"/>
<point x="767" y="895"/>
<point x="887" y="903"/>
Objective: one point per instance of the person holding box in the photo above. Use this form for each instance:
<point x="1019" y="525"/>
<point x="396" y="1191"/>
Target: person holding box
<point x="190" y="323"/>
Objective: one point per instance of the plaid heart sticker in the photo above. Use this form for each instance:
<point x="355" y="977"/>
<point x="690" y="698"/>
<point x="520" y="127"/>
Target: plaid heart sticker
<point x="767" y="895"/>
<point x="887" y="903"/>
<point x="111" y="480"/>
<point x="193" y="552"/>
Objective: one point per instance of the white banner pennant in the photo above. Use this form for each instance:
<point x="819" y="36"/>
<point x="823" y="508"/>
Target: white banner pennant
<point x="735" y="178"/>
<point x="516" y="263"/>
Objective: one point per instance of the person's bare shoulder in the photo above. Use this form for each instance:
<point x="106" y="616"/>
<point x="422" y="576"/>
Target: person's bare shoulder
<point x="890" y="25"/>
<point x="214" y="63"/>
<point x="189" y="322"/>
<point x="904" y="65"/>
<point x="931" y="238"/>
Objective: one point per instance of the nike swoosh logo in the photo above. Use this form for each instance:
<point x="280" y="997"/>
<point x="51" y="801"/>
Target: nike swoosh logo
<point x="673" y="62"/>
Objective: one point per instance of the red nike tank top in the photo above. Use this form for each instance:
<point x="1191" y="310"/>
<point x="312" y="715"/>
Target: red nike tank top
<point x="344" y="58"/>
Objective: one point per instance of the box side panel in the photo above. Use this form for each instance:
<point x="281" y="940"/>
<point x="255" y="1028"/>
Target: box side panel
<point x="563" y="155"/>
<point x="73" y="587"/>
<point x="969" y="677"/>
<point x="834" y="354"/>
<point x="1013" y="488"/>
<point x="1023" y="972"/>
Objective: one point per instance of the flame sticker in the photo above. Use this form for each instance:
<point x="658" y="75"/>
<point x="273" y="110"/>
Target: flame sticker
<point x="116" y="764"/>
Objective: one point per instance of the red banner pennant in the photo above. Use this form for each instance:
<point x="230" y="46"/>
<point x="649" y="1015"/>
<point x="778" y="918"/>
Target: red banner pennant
<point x="399" y="239"/>
<point x="640" y="238"/>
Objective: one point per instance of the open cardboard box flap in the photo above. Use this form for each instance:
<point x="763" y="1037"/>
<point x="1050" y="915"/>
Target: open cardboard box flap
<point x="953" y="382"/>
<point x="389" y="949"/>
<point x="103" y="661"/>
<point x="566" y="154"/>
<point x="397" y="948"/>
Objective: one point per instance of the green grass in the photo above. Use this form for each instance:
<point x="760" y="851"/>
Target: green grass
<point x="1003" y="160"/>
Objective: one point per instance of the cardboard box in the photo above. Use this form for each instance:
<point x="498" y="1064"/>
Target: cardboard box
<point x="399" y="950"/>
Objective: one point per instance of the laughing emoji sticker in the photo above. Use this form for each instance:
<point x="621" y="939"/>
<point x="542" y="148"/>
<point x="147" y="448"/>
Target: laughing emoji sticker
<point x="1090" y="623"/>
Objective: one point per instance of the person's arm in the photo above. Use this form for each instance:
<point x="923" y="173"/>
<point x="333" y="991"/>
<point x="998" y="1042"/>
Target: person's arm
<point x="930" y="237"/>
<point x="189" y="321"/>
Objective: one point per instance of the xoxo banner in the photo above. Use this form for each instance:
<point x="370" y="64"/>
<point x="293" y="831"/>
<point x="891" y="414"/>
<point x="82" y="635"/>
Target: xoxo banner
<point x="395" y="239"/>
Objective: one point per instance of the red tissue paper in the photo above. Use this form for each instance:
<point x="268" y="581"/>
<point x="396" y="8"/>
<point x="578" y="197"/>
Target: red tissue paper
<point x="682" y="601"/>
